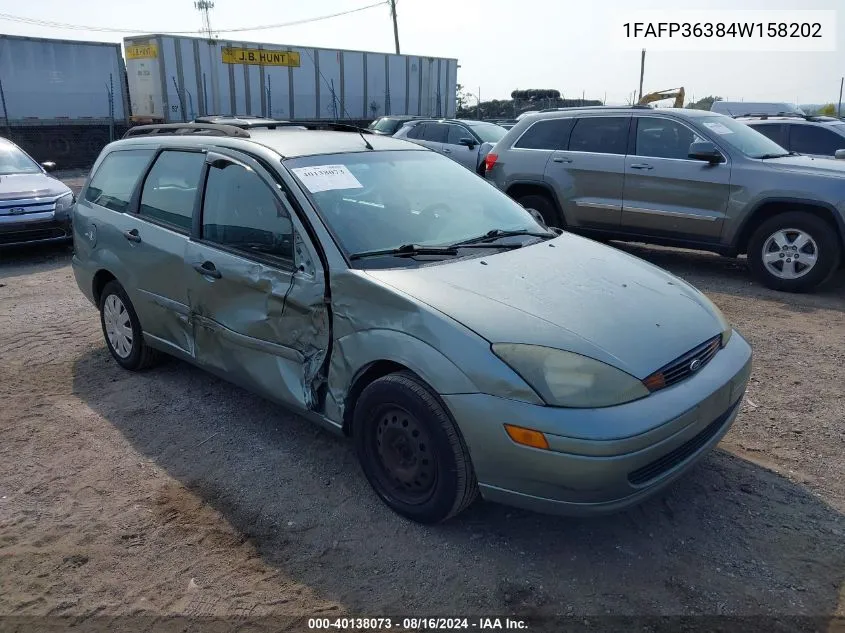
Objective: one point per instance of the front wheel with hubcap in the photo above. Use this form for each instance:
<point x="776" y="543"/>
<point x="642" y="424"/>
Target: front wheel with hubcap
<point x="411" y="451"/>
<point x="793" y="252"/>
<point x="122" y="330"/>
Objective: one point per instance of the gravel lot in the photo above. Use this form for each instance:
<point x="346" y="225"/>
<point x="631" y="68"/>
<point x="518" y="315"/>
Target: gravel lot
<point x="173" y="492"/>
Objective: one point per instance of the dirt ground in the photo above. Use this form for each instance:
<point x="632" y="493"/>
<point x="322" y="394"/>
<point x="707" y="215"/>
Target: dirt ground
<point x="171" y="492"/>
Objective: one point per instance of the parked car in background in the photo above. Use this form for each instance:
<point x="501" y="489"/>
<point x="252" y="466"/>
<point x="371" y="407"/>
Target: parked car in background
<point x="679" y="177"/>
<point x="241" y="121"/>
<point x="387" y="294"/>
<point x="34" y="207"/>
<point x="820" y="136"/>
<point x="465" y="141"/>
<point x="744" y="108"/>
<point x="389" y="125"/>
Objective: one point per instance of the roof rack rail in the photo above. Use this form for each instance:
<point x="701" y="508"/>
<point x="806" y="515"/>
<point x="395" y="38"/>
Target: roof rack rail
<point x="636" y="106"/>
<point x="330" y="125"/>
<point x="186" y="129"/>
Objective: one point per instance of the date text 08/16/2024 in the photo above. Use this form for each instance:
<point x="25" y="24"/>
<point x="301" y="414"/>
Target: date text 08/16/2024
<point x="418" y="623"/>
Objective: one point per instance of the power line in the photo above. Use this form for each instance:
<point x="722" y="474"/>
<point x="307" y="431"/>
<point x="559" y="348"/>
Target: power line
<point x="79" y="27"/>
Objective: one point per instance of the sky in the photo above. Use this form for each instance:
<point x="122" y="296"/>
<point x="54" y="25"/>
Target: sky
<point x="501" y="45"/>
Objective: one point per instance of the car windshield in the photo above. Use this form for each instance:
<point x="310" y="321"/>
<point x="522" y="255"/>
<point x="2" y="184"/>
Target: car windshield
<point x="385" y="125"/>
<point x="488" y="132"/>
<point x="14" y="161"/>
<point x="382" y="200"/>
<point x="742" y="137"/>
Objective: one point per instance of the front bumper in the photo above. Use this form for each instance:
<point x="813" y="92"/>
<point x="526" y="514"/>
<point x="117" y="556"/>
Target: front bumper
<point x="602" y="460"/>
<point x="33" y="228"/>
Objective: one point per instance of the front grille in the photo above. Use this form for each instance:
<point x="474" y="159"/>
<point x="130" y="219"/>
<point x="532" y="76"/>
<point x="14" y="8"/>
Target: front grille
<point x="684" y="451"/>
<point x="31" y="236"/>
<point x="681" y="368"/>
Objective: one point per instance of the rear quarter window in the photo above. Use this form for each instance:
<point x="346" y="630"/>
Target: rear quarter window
<point x="116" y="178"/>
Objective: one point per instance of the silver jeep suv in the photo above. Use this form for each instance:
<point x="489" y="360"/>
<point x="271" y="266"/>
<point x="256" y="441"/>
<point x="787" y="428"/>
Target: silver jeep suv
<point x="679" y="177"/>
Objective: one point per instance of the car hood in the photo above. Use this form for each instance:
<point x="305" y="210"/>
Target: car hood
<point x="809" y="164"/>
<point x="22" y="186"/>
<point x="569" y="293"/>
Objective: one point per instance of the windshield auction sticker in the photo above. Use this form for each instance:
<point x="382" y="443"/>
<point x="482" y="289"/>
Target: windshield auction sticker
<point x="719" y="128"/>
<point x="326" y="178"/>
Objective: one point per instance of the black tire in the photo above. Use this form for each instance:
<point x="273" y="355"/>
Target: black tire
<point x="141" y="355"/>
<point x="827" y="247"/>
<point x="543" y="204"/>
<point x="399" y="419"/>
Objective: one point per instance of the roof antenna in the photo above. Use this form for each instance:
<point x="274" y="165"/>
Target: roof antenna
<point x="366" y="142"/>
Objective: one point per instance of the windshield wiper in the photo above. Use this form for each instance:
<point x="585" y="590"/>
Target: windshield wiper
<point x="495" y="234"/>
<point x="407" y="250"/>
<point x="775" y="155"/>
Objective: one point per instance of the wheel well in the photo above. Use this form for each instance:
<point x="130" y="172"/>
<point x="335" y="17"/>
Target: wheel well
<point x="372" y="373"/>
<point x="770" y="209"/>
<point x="526" y="189"/>
<point x="100" y="280"/>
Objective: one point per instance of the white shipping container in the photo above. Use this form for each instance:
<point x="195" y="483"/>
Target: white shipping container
<point x="177" y="79"/>
<point x="47" y="81"/>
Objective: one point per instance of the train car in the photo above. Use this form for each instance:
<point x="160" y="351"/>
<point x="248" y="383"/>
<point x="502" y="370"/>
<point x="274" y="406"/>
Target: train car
<point x="47" y="82"/>
<point x="175" y="79"/>
<point x="62" y="100"/>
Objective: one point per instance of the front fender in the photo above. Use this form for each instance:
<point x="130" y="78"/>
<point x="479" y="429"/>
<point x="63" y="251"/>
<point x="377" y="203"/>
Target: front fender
<point x="355" y="352"/>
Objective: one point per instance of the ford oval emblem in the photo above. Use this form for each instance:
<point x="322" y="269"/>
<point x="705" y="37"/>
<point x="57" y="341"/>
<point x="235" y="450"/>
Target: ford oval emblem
<point x="695" y="365"/>
<point x="17" y="211"/>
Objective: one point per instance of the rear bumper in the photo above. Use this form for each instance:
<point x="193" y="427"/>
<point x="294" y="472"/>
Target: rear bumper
<point x="594" y="466"/>
<point x="35" y="228"/>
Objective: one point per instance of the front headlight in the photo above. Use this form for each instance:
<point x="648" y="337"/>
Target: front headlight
<point x="566" y="379"/>
<point x="64" y="203"/>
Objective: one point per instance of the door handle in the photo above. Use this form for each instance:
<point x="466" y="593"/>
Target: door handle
<point x="208" y="269"/>
<point x="561" y="159"/>
<point x="446" y="150"/>
<point x="641" y="166"/>
<point x="132" y="235"/>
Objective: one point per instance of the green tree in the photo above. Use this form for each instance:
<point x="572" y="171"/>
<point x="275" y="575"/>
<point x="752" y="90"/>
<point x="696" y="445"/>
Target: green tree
<point x="704" y="104"/>
<point x="828" y="110"/>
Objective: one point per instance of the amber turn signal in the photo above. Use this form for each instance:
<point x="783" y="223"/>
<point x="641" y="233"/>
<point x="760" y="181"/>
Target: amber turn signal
<point x="655" y="381"/>
<point x="527" y="437"/>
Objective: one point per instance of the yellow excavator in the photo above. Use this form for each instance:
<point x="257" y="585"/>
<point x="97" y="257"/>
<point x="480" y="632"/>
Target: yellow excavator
<point x="676" y="93"/>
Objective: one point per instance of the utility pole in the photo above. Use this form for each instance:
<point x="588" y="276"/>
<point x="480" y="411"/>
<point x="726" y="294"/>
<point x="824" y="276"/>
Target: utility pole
<point x="839" y="107"/>
<point x="395" y="24"/>
<point x="479" y="103"/>
<point x="204" y="7"/>
<point x="642" y="72"/>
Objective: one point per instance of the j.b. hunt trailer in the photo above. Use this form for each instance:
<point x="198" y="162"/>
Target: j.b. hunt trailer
<point x="175" y="79"/>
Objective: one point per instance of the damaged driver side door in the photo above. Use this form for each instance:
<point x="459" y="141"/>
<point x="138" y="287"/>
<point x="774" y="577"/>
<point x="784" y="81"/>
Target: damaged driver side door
<point x="256" y="286"/>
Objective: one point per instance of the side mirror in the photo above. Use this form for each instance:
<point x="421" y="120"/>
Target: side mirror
<point x="469" y="142"/>
<point x="49" y="166"/>
<point x="840" y="154"/>
<point x="705" y="150"/>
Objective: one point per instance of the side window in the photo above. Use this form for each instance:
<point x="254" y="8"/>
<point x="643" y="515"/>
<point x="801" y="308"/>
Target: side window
<point x="116" y="177"/>
<point x="456" y="133"/>
<point x="605" y="135"/>
<point x="435" y="132"/>
<point x="416" y="131"/>
<point x="171" y="188"/>
<point x="552" y="134"/>
<point x="663" y="138"/>
<point x="241" y="212"/>
<point x="810" y="139"/>
<point x="772" y="131"/>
